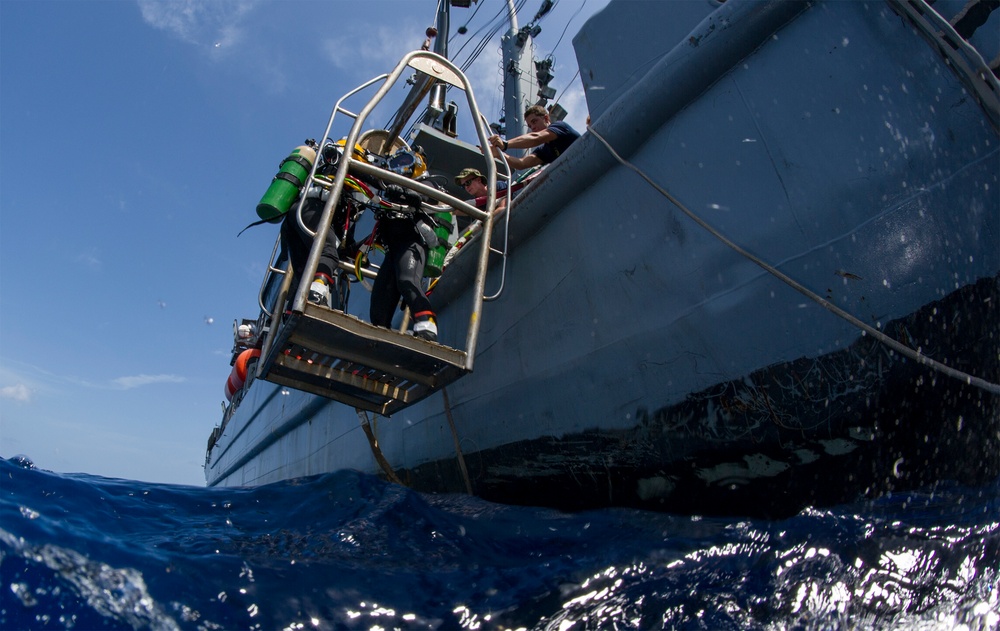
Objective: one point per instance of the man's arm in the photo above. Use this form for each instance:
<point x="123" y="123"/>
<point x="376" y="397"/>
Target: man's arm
<point x="524" y="141"/>
<point x="526" y="162"/>
<point x="531" y="139"/>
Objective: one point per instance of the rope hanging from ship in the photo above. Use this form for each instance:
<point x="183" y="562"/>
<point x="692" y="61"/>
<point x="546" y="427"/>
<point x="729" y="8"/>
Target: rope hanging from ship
<point x="376" y="450"/>
<point x="899" y="347"/>
<point x="458" y="444"/>
<point x="383" y="462"/>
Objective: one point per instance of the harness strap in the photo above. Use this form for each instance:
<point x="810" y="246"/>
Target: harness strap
<point x="257" y="223"/>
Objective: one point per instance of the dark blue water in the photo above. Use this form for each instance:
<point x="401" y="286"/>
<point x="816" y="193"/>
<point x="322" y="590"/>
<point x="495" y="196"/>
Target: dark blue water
<point x="348" y="551"/>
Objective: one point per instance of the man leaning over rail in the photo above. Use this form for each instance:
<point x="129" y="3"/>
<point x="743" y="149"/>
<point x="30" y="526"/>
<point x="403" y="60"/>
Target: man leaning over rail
<point x="474" y="183"/>
<point x="552" y="139"/>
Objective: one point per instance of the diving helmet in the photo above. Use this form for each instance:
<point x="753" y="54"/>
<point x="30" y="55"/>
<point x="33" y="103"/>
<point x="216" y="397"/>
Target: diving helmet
<point x="407" y="162"/>
<point x="333" y="150"/>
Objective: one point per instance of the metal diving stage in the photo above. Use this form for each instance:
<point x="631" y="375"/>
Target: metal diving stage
<point x="335" y="354"/>
<point x="342" y="357"/>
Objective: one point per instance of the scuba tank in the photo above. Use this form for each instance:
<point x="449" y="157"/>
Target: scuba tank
<point x="436" y="254"/>
<point x="288" y="182"/>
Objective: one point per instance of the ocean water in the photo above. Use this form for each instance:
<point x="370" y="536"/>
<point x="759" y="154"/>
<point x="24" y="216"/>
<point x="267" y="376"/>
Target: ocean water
<point x="349" y="551"/>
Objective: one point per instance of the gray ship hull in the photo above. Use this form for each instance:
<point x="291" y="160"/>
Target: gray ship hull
<point x="636" y="359"/>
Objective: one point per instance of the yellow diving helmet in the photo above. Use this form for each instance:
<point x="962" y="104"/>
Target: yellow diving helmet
<point x="359" y="151"/>
<point x="333" y="150"/>
<point x="407" y="162"/>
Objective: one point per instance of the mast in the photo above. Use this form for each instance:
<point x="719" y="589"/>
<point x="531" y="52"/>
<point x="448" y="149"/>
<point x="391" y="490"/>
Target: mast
<point x="435" y="104"/>
<point x="518" y="73"/>
<point x="423" y="84"/>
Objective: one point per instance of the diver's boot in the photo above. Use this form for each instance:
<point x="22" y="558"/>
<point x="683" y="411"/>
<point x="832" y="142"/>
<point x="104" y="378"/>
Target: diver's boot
<point x="425" y="327"/>
<point x="319" y="291"/>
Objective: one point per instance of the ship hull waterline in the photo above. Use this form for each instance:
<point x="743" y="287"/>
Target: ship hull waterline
<point x="635" y="360"/>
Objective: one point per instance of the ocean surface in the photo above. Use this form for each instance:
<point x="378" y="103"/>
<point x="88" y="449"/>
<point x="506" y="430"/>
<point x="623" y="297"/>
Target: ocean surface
<point x="349" y="551"/>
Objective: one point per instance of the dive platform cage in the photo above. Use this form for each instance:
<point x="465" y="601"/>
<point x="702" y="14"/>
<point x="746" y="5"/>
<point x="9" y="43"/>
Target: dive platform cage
<point x="338" y="355"/>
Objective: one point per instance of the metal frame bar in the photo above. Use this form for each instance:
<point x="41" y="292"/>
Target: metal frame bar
<point x="425" y="62"/>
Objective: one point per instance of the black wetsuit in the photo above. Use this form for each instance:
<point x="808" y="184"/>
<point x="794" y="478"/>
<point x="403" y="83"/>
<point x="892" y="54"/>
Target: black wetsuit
<point x="401" y="272"/>
<point x="299" y="243"/>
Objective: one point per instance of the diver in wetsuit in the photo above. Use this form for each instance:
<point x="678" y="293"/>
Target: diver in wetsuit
<point x="407" y="236"/>
<point x="330" y="286"/>
<point x="299" y="243"/>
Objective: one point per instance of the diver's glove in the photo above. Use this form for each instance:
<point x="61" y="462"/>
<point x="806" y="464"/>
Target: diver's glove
<point x="399" y="195"/>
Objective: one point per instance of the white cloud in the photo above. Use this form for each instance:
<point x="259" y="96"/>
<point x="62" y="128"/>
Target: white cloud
<point x="215" y="24"/>
<point x="383" y="50"/>
<point x="136" y="381"/>
<point x="90" y="258"/>
<point x="18" y="392"/>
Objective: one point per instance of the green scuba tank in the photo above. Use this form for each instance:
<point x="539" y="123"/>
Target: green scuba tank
<point x="435" y="255"/>
<point x="287" y="183"/>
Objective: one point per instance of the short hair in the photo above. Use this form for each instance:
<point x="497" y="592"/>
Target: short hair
<point x="536" y="110"/>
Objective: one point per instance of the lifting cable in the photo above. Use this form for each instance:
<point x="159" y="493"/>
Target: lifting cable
<point x="376" y="450"/>
<point x="826" y="304"/>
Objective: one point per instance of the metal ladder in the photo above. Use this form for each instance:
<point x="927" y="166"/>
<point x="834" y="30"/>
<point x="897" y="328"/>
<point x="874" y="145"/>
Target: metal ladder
<point x="335" y="354"/>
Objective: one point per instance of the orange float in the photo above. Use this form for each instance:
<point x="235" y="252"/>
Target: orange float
<point x="239" y="375"/>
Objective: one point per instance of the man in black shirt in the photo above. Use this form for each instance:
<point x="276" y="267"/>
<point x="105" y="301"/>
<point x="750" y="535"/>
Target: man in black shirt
<point x="552" y="139"/>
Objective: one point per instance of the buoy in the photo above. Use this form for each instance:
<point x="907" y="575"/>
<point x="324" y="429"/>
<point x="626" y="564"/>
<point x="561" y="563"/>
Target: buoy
<point x="287" y="183"/>
<point x="239" y="375"/>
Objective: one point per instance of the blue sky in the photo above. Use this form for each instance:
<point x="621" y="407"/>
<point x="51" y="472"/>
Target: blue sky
<point x="135" y="141"/>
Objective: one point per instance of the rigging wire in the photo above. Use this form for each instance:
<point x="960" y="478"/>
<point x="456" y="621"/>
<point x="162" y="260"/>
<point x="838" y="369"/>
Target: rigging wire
<point x="491" y="27"/>
<point x="493" y="24"/>
<point x="498" y="23"/>
<point x="479" y="5"/>
<point x="488" y="31"/>
<point x="501" y="23"/>
<point x="906" y="351"/>
<point x="568" y="22"/>
<point x="568" y="85"/>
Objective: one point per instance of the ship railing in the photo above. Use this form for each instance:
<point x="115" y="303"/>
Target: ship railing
<point x="963" y="57"/>
<point x="335" y="354"/>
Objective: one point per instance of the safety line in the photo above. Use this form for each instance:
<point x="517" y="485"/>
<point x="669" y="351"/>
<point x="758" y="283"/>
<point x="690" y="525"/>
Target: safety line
<point x="458" y="446"/>
<point x="376" y="450"/>
<point x="880" y="336"/>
